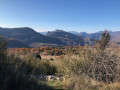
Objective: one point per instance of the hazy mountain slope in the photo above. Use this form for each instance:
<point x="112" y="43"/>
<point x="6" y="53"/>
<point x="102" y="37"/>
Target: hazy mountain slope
<point x="96" y="35"/>
<point x="92" y="36"/>
<point x="73" y="32"/>
<point x="67" y="38"/>
<point x="44" y="33"/>
<point x="115" y="36"/>
<point x="13" y="43"/>
<point x="28" y="36"/>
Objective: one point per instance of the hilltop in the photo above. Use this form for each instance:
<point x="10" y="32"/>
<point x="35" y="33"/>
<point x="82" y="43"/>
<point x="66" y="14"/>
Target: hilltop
<point x="68" y="38"/>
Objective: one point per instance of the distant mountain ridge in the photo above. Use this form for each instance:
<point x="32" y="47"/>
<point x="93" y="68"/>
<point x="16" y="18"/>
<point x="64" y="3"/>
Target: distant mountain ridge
<point x="44" y="33"/>
<point x="73" y="32"/>
<point x="28" y="36"/>
<point x="97" y="35"/>
<point x="115" y="36"/>
<point x="68" y="38"/>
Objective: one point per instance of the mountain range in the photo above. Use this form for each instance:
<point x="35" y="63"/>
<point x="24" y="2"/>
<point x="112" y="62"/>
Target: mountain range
<point x="90" y="37"/>
<point x="27" y="37"/>
<point x="115" y="36"/>
<point x="66" y="37"/>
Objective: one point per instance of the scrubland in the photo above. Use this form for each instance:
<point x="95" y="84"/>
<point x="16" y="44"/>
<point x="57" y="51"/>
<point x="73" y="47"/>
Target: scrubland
<point x="84" y="68"/>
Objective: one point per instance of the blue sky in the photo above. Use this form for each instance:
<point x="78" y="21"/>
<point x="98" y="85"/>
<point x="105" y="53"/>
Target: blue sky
<point x="70" y="15"/>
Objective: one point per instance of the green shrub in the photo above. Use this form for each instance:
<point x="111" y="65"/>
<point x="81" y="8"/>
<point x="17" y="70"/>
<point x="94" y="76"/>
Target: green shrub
<point x="13" y="75"/>
<point x="36" y="66"/>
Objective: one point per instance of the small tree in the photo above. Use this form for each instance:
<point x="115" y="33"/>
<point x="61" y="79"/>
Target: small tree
<point x="102" y="43"/>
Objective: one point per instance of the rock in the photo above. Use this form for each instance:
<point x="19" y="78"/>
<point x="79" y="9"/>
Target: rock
<point x="57" y="78"/>
<point x="62" y="79"/>
<point x="53" y="77"/>
<point x="48" y="78"/>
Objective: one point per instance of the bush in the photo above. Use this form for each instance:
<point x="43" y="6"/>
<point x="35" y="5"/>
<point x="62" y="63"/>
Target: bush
<point x="13" y="75"/>
<point x="105" y="63"/>
<point x="90" y="64"/>
<point x="36" y="67"/>
<point x="105" y="66"/>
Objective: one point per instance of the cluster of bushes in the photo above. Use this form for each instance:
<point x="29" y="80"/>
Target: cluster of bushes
<point x="54" y="52"/>
<point x="35" y="66"/>
<point x="94" y="68"/>
<point x="14" y="72"/>
<point x="48" y="51"/>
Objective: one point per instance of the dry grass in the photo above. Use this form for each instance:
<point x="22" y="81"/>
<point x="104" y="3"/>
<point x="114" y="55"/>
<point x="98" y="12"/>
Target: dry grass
<point x="90" y="70"/>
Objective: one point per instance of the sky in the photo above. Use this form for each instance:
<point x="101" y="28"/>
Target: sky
<point x="69" y="15"/>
